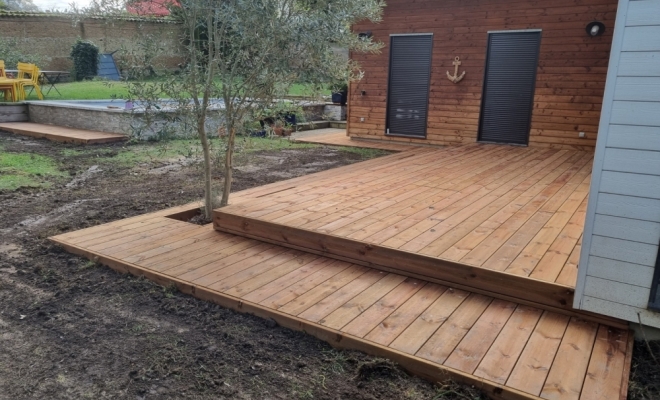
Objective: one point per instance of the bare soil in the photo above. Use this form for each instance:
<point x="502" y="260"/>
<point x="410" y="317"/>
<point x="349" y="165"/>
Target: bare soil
<point x="70" y="329"/>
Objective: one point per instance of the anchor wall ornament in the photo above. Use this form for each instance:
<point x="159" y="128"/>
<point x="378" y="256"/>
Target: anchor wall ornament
<point x="456" y="78"/>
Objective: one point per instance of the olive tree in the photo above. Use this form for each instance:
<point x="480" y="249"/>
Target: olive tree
<point x="242" y="56"/>
<point x="254" y="50"/>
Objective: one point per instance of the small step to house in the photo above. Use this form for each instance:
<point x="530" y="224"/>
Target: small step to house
<point x="312" y="125"/>
<point x="338" y="124"/>
<point x="61" y="133"/>
<point x="338" y="137"/>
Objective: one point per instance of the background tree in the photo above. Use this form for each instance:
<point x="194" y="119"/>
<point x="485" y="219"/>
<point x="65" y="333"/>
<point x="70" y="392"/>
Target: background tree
<point x="85" y="57"/>
<point x="21" y="5"/>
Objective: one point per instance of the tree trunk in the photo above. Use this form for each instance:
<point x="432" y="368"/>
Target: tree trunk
<point x="229" y="157"/>
<point x="208" y="178"/>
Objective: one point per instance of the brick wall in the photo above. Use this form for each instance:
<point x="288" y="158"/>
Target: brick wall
<point x="51" y="36"/>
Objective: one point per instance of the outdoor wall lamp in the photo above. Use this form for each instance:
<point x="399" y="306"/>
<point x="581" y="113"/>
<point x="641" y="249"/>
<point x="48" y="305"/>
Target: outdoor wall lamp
<point x="365" y="35"/>
<point x="595" y="28"/>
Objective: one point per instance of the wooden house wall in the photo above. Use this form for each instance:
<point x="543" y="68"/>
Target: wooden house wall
<point x="571" y="73"/>
<point x="622" y="229"/>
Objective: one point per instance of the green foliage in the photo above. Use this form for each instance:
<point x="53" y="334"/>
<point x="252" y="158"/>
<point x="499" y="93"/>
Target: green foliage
<point x="85" y="56"/>
<point x="12" y="55"/>
<point x="26" y="170"/>
<point x="243" y="56"/>
<point x="3" y="5"/>
<point x="339" y="87"/>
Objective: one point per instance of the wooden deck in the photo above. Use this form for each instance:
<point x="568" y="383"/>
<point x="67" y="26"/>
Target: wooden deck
<point x="337" y="137"/>
<point x="503" y="219"/>
<point x="508" y="349"/>
<point x="61" y="133"/>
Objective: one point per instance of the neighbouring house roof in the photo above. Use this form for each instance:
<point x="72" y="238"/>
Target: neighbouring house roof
<point x="157" y="8"/>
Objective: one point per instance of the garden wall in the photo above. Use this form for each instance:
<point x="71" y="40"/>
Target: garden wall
<point x="109" y="116"/>
<point x="52" y="35"/>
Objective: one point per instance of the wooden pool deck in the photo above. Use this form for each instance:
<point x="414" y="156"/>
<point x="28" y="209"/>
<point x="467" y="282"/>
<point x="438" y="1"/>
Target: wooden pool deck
<point x="61" y="133"/>
<point x="508" y="349"/>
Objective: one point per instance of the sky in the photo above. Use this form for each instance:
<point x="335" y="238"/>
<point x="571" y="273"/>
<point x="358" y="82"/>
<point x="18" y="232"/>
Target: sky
<point x="59" y="4"/>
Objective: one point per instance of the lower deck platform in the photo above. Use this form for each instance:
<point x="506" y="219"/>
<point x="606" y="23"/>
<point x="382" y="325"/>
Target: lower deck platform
<point x="508" y="349"/>
<point x="61" y="133"/>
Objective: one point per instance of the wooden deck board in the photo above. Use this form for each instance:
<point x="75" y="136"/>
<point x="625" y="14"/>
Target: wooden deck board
<point x="507" y="210"/>
<point x="433" y="330"/>
<point x="61" y="133"/>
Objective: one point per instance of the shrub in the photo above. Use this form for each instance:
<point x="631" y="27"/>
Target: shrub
<point x="85" y="56"/>
<point x="12" y="56"/>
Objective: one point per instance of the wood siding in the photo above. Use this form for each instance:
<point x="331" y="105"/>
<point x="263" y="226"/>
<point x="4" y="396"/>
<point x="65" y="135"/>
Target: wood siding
<point x="571" y="74"/>
<point x="622" y="229"/>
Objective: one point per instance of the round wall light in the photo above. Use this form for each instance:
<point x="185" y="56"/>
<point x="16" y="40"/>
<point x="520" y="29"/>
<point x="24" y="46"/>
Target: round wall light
<point x="595" y="28"/>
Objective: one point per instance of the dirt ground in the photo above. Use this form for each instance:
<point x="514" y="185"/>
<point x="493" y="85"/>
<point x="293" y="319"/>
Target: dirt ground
<point x="70" y="329"/>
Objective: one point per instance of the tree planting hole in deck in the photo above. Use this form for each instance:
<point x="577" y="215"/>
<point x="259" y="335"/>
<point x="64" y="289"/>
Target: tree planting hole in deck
<point x="193" y="216"/>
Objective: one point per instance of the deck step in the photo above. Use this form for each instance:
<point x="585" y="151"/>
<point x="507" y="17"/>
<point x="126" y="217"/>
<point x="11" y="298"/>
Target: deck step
<point x="61" y="133"/>
<point x="308" y="126"/>
<point x="501" y="221"/>
<point x="337" y="137"/>
<point x="338" y="124"/>
<point x="498" y="284"/>
<point x="507" y="349"/>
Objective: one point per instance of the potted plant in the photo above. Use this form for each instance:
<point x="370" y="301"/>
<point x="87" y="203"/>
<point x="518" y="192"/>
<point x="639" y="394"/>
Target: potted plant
<point x="279" y="119"/>
<point x="340" y="93"/>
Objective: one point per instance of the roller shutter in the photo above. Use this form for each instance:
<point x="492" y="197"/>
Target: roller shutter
<point x="409" y="80"/>
<point x="510" y="79"/>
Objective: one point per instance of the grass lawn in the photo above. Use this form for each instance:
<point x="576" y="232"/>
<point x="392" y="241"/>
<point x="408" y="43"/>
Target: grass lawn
<point x="150" y="152"/>
<point x="103" y="90"/>
<point x="27" y="170"/>
<point x="33" y="170"/>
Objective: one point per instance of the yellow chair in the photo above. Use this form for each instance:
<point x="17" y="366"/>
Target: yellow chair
<point x="8" y="86"/>
<point x="31" y="70"/>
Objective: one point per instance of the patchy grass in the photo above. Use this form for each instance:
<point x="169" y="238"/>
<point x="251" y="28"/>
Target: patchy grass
<point x="103" y="90"/>
<point x="259" y="144"/>
<point x="364" y="152"/>
<point x="150" y="152"/>
<point x="85" y="90"/>
<point x="26" y="170"/>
